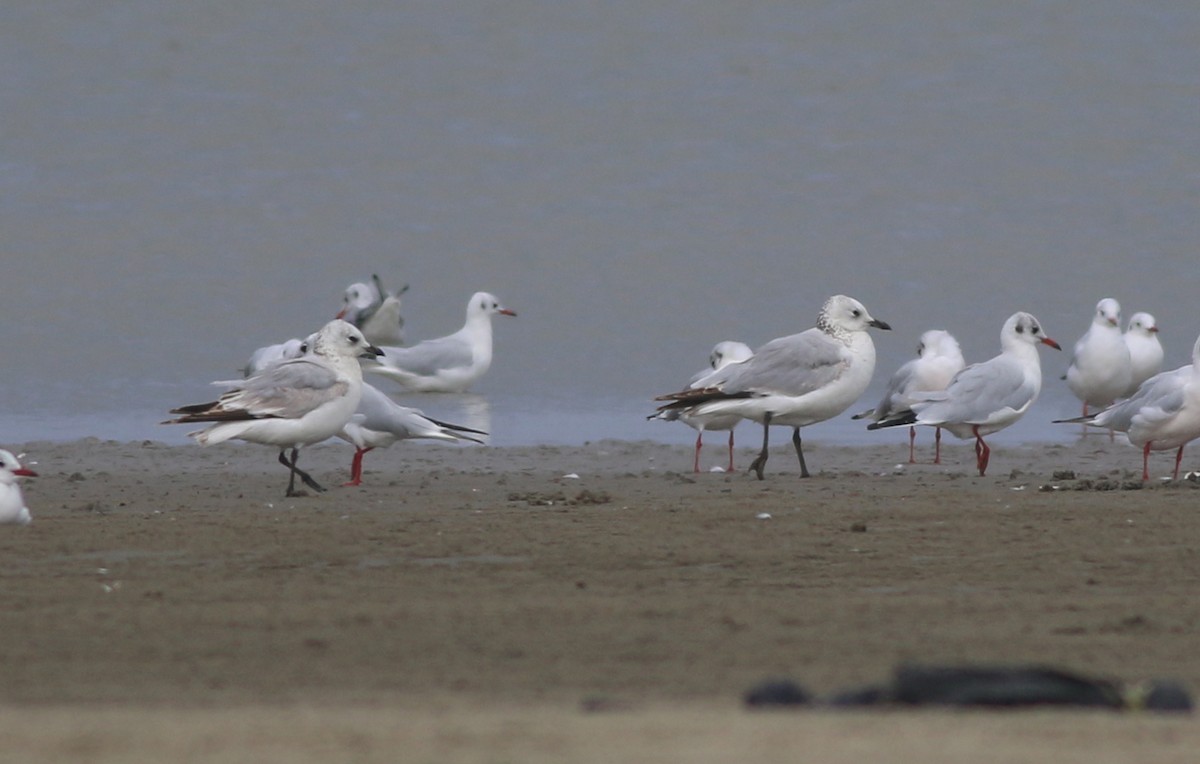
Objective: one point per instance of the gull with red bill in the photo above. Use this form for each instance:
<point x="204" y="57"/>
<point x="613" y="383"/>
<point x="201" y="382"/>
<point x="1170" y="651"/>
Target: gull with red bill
<point x="12" y="503"/>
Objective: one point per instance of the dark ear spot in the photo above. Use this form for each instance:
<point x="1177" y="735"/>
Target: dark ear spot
<point x="1020" y="329"/>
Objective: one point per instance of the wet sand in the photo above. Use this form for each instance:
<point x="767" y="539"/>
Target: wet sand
<point x="477" y="604"/>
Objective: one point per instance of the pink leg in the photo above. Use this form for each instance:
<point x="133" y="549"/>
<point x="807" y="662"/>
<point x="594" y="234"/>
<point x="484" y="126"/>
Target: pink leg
<point x="730" y="451"/>
<point x="699" y="443"/>
<point x="937" y="445"/>
<point x="912" y="438"/>
<point x="982" y="452"/>
<point x="1178" y="459"/>
<point x="1146" y="462"/>
<point x="356" y="467"/>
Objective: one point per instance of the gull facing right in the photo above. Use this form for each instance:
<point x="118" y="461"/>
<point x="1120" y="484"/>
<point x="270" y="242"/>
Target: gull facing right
<point x="292" y="403"/>
<point x="797" y="380"/>
<point x="985" y="397"/>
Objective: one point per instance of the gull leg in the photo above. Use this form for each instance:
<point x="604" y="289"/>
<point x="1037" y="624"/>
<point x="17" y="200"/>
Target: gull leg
<point x="937" y="445"/>
<point x="799" y="451"/>
<point x="730" y="451"/>
<point x="760" y="461"/>
<point x="304" y="476"/>
<point x="912" y="439"/>
<point x="982" y="452"/>
<point x="356" y="466"/>
<point x="1146" y="461"/>
<point x="1178" y="459"/>
<point x="699" y="444"/>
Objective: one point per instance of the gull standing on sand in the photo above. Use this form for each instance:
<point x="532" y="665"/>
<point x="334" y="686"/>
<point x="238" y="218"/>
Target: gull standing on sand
<point x="938" y="359"/>
<point x="796" y="380"/>
<point x="985" y="397"/>
<point x="1163" y="413"/>
<point x="449" y="364"/>
<point x="1100" y="369"/>
<point x="12" y="502"/>
<point x="723" y="354"/>
<point x="375" y="311"/>
<point x="379" y="422"/>
<point x="293" y="403"/>
<point x="1145" y="351"/>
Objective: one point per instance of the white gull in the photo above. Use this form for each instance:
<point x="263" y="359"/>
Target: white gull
<point x="985" y="397"/>
<point x="12" y="502"/>
<point x="723" y="354"/>
<point x="449" y="364"/>
<point x="1164" y="413"/>
<point x="938" y="359"/>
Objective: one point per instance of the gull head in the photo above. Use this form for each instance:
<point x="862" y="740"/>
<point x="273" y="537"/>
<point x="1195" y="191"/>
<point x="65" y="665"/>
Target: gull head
<point x="938" y="343"/>
<point x="1025" y="328"/>
<point x="359" y="301"/>
<point x="1143" y="324"/>
<point x="340" y="338"/>
<point x="1108" y="313"/>
<point x="486" y="304"/>
<point x="11" y="469"/>
<point x="727" y="352"/>
<point x="842" y="315"/>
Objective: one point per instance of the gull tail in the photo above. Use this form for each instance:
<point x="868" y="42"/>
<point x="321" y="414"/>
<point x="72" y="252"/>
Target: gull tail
<point x="895" y="420"/>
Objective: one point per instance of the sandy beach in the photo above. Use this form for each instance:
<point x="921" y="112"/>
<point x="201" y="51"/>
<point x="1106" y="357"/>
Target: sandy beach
<point x="594" y="603"/>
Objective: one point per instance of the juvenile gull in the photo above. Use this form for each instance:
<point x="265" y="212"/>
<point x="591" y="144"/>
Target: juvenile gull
<point x="1163" y="413"/>
<point x="293" y="403"/>
<point x="985" y="397"/>
<point x="449" y="364"/>
<point x="1100" y="369"/>
<point x="12" y="503"/>
<point x="1145" y="351"/>
<point x="797" y="380"/>
<point x="938" y="359"/>
<point x="723" y="354"/>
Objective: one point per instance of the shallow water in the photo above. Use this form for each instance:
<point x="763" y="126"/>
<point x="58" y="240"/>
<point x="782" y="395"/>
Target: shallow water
<point x="181" y="186"/>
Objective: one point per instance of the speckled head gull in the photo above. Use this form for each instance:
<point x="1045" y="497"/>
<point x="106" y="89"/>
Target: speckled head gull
<point x="293" y="403"/>
<point x="797" y="380"/>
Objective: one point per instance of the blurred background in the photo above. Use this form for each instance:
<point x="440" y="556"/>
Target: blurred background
<point x="181" y="183"/>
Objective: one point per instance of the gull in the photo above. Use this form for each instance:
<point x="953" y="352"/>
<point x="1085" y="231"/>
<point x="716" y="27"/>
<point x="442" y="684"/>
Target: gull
<point x="375" y="311"/>
<point x="1100" y="369"/>
<point x="985" y="397"/>
<point x="293" y="403"/>
<point x="1163" y="413"/>
<point x="938" y="359"/>
<point x="797" y="380"/>
<point x="723" y="354"/>
<point x="269" y="356"/>
<point x="379" y="422"/>
<point x="1145" y="351"/>
<point x="447" y="364"/>
<point x="12" y="503"/>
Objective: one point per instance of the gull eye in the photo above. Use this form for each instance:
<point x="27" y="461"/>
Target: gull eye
<point x="1035" y="329"/>
<point x="1020" y="328"/>
<point x="353" y="339"/>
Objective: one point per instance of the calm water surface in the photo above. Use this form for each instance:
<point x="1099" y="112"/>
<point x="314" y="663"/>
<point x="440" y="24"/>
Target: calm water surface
<point x="180" y="184"/>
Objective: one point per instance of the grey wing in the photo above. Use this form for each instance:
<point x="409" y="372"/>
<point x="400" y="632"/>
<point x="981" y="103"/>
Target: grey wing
<point x="289" y="390"/>
<point x="1157" y="398"/>
<point x="429" y="357"/>
<point x="895" y="398"/>
<point x="792" y="365"/>
<point x="976" y="393"/>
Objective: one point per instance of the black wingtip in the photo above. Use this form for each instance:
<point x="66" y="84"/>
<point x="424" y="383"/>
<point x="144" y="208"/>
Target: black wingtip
<point x="900" y="418"/>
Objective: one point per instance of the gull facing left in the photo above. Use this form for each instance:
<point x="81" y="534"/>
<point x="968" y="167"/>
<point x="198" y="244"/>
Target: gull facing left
<point x="292" y="403"/>
<point x="797" y="380"/>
